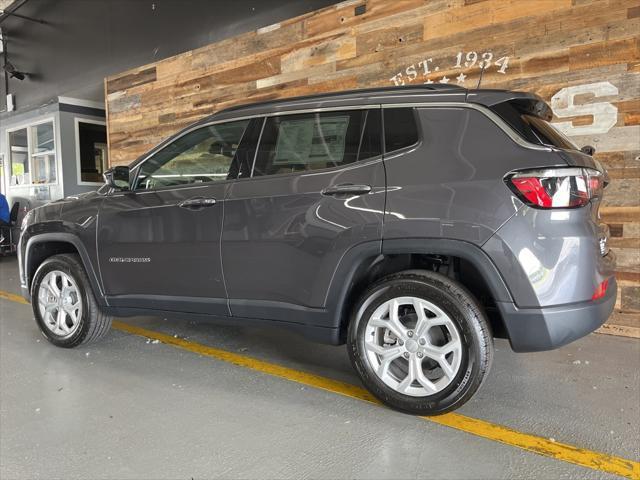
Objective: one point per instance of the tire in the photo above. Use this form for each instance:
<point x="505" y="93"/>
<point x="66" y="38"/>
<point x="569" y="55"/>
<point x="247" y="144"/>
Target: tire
<point x="453" y="329"/>
<point x="82" y="322"/>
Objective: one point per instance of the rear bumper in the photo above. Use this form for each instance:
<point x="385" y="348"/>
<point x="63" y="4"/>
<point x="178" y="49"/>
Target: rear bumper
<point x="538" y="329"/>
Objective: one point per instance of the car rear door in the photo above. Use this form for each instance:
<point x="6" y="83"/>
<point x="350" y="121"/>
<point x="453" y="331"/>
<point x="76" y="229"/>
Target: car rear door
<point x="159" y="244"/>
<point x="317" y="189"/>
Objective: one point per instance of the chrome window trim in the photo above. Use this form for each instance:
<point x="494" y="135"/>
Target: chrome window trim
<point x="480" y="108"/>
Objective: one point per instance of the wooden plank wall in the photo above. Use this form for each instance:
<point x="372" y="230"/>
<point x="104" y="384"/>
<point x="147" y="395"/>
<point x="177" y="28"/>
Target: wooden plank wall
<point x="583" y="56"/>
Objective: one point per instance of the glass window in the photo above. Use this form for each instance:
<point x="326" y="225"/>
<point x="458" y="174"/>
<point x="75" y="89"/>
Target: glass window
<point x="43" y="154"/>
<point x="19" y="157"/>
<point x="532" y="128"/>
<point x="400" y="129"/>
<point x="33" y="155"/>
<point x="203" y="155"/>
<point x="42" y="137"/>
<point x="92" y="151"/>
<point x="293" y="143"/>
<point x="547" y="134"/>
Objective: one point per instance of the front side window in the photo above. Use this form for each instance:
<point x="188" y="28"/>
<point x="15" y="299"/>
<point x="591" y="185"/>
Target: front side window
<point x="32" y="155"/>
<point x="201" y="156"/>
<point x="301" y="142"/>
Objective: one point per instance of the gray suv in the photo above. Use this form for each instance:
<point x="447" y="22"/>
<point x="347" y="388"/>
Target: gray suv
<point x="413" y="224"/>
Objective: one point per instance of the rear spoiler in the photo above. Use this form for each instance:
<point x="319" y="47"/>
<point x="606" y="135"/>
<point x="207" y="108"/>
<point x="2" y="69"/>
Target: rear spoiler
<point x="528" y="103"/>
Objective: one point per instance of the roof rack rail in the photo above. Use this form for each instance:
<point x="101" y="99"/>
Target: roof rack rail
<point x="319" y="96"/>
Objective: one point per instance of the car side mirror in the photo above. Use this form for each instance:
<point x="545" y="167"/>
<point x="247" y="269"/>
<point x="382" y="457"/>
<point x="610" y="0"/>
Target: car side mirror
<point x="117" y="177"/>
<point x="588" y="149"/>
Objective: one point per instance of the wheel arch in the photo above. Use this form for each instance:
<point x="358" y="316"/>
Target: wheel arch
<point x="45" y="245"/>
<point x="368" y="262"/>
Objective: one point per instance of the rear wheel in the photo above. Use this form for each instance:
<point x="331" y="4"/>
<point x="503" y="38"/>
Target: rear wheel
<point x="420" y="342"/>
<point x="63" y="303"/>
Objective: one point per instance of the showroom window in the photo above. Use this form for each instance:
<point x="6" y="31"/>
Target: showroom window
<point x="203" y="155"/>
<point x="32" y="155"/>
<point x="302" y="142"/>
<point x="400" y="129"/>
<point x="91" y="150"/>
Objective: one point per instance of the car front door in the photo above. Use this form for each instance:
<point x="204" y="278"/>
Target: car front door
<point x="159" y="243"/>
<point x="317" y="188"/>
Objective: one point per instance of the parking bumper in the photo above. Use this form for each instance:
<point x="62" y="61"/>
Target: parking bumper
<point x="539" y="329"/>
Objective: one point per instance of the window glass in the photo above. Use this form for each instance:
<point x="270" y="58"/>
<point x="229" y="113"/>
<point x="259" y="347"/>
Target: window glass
<point x="292" y="143"/>
<point x="44" y="168"/>
<point x="547" y="133"/>
<point x="92" y="150"/>
<point x="19" y="157"/>
<point x="203" y="155"/>
<point x="532" y="128"/>
<point x="43" y="155"/>
<point x="42" y="138"/>
<point x="400" y="129"/>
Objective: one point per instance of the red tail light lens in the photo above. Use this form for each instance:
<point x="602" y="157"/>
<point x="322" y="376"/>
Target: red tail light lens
<point x="556" y="187"/>
<point x="600" y="290"/>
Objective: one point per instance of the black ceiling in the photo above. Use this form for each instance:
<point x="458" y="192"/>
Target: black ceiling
<point x="85" y="40"/>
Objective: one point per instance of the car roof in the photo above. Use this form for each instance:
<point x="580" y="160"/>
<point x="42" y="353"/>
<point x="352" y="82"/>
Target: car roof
<point x="381" y="95"/>
<point x="393" y="94"/>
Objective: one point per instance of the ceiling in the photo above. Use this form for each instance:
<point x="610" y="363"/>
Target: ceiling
<point x="84" y="41"/>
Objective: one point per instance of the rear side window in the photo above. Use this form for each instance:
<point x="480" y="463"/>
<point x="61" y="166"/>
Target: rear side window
<point x="400" y="129"/>
<point x="531" y="128"/>
<point x="314" y="141"/>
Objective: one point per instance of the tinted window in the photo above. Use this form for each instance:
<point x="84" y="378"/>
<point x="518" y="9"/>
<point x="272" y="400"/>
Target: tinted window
<point x="532" y="128"/>
<point x="547" y="134"/>
<point x="293" y="143"/>
<point x="400" y="129"/>
<point x="203" y="155"/>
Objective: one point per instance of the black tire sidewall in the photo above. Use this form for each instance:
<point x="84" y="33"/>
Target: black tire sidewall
<point x="62" y="264"/>
<point x="462" y="316"/>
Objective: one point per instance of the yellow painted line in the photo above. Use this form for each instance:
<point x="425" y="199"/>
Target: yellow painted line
<point x="480" y="428"/>
<point x="12" y="297"/>
<point x="474" y="426"/>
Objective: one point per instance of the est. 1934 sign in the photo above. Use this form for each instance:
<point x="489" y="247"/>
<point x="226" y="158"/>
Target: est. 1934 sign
<point x="426" y="71"/>
<point x="605" y="114"/>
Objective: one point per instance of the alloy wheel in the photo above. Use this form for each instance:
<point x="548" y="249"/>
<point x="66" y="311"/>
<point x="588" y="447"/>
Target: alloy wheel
<point x="413" y="346"/>
<point x="60" y="303"/>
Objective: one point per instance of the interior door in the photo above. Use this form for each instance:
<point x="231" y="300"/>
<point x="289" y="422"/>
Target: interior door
<point x="317" y="188"/>
<point x="159" y="244"/>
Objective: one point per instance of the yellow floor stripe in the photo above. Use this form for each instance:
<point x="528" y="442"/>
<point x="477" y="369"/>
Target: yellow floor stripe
<point x="481" y="428"/>
<point x="12" y="297"/>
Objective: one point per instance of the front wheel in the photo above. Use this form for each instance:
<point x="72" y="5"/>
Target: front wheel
<point x="420" y="342"/>
<point x="63" y="303"/>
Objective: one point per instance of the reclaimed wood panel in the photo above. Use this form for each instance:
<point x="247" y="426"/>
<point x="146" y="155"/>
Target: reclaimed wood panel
<point x="583" y="57"/>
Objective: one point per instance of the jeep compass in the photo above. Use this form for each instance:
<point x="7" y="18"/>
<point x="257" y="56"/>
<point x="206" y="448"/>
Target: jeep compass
<point x="414" y="224"/>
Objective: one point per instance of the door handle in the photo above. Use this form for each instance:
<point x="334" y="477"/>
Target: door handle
<point x="347" y="189"/>
<point x="197" y="203"/>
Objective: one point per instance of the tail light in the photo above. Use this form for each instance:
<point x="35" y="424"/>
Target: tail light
<point x="556" y="187"/>
<point x="600" y="290"/>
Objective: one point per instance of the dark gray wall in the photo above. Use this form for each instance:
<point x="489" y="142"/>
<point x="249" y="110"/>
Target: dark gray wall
<point x="87" y="40"/>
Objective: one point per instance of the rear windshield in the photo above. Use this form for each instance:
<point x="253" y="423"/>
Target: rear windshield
<point x="533" y="129"/>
